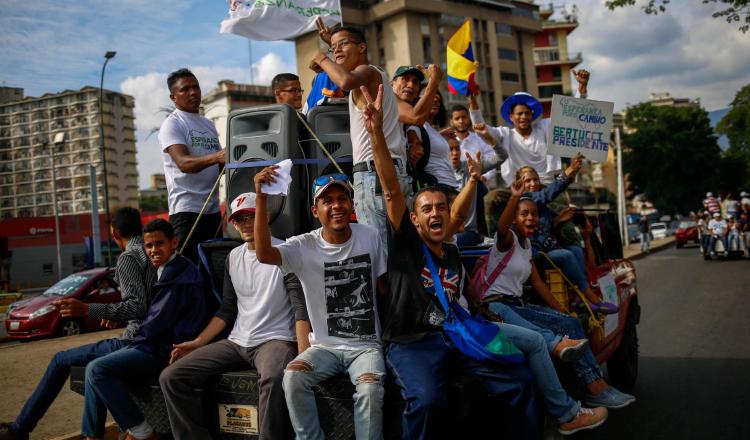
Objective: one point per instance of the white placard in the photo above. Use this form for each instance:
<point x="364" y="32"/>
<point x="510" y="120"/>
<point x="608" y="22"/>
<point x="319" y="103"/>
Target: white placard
<point x="580" y="126"/>
<point x="238" y="419"/>
<point x="609" y="294"/>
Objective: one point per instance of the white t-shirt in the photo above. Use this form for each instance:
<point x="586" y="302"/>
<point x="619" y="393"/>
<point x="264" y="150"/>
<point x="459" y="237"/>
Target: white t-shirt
<point x="393" y="130"/>
<point x="263" y="308"/>
<point x="339" y="281"/>
<point x="511" y="279"/>
<point x="531" y="151"/>
<point x="439" y="164"/>
<point x="473" y="143"/>
<point x="717" y="226"/>
<point x="188" y="191"/>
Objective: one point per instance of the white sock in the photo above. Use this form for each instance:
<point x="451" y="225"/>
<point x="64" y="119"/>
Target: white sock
<point x="142" y="430"/>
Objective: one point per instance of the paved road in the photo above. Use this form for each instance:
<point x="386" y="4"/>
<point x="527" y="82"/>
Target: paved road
<point x="694" y="377"/>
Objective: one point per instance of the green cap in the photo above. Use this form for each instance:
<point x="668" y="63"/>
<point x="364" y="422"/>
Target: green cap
<point x="403" y="70"/>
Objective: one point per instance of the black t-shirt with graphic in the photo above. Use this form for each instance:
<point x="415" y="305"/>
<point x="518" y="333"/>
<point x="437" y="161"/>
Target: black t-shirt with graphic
<point x="411" y="309"/>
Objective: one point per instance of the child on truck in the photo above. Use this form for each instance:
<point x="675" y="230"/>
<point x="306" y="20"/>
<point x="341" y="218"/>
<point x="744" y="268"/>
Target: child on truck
<point x="178" y="312"/>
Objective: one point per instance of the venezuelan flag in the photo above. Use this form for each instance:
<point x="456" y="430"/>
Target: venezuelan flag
<point x="461" y="64"/>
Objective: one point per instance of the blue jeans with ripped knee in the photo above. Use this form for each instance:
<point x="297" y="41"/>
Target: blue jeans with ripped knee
<point x="366" y="370"/>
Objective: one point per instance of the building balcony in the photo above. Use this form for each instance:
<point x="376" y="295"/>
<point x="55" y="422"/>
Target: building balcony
<point x="546" y="56"/>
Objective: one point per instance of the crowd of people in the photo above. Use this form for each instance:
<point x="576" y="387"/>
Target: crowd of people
<point x="356" y="299"/>
<point x="724" y="219"/>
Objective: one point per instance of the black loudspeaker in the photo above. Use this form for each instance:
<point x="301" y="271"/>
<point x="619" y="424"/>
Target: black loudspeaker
<point x="268" y="133"/>
<point x="331" y="124"/>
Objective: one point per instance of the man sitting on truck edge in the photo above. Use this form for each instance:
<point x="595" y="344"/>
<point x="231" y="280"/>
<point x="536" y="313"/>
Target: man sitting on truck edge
<point x="135" y="275"/>
<point x="418" y="352"/>
<point x="339" y="265"/>
<point x="257" y="304"/>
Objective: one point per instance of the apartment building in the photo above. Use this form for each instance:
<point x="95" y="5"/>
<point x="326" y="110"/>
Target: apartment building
<point x="552" y="58"/>
<point x="408" y="32"/>
<point x="661" y="99"/>
<point x="28" y="128"/>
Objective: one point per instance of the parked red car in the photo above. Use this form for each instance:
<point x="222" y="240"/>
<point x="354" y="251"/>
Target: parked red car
<point x="39" y="317"/>
<point x="686" y="232"/>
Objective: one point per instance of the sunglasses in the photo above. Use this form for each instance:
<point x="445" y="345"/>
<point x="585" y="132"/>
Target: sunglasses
<point x="322" y="180"/>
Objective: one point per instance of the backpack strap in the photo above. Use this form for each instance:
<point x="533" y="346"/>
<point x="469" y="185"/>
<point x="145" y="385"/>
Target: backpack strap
<point x="502" y="264"/>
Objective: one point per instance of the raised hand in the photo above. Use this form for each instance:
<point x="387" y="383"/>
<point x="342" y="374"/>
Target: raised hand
<point x="474" y="166"/>
<point x="448" y="132"/>
<point x="266" y="176"/>
<point x="435" y="73"/>
<point x="324" y="32"/>
<point x="373" y="111"/>
<point x="315" y="62"/>
<point x="566" y="215"/>
<point x="516" y="189"/>
<point x="484" y="132"/>
<point x="582" y="76"/>
<point x="575" y="166"/>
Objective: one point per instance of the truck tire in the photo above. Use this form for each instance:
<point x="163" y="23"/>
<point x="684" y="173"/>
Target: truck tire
<point x="623" y="364"/>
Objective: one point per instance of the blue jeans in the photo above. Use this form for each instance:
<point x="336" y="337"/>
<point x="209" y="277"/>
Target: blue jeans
<point x="586" y="368"/>
<point x="369" y="204"/>
<point x="421" y="370"/>
<point x="570" y="260"/>
<point x="324" y="363"/>
<point x="537" y="343"/>
<point x="724" y="241"/>
<point x="105" y="387"/>
<point x="54" y="379"/>
<point x="733" y="239"/>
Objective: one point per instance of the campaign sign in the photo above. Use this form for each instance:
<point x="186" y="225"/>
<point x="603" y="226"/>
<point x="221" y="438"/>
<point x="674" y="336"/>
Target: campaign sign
<point x="580" y="126"/>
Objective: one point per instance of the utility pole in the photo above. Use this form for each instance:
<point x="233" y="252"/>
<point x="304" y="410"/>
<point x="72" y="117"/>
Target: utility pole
<point x="621" y="208"/>
<point x="58" y="142"/>
<point x="102" y="151"/>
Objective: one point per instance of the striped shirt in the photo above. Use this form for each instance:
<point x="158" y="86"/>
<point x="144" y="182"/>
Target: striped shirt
<point x="135" y="275"/>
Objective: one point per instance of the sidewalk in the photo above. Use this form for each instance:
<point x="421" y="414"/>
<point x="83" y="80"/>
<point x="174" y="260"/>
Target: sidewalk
<point x="24" y="364"/>
<point x="633" y="251"/>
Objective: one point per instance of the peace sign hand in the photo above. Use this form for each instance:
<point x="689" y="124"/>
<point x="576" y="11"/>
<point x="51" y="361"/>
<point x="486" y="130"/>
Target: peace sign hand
<point x="324" y="32"/>
<point x="474" y="166"/>
<point x="373" y="111"/>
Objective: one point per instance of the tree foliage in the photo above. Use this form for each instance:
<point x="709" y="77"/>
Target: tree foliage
<point x="736" y="126"/>
<point x="153" y="203"/>
<point x="671" y="155"/>
<point x="735" y="11"/>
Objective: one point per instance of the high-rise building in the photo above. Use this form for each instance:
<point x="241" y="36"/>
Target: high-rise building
<point x="409" y="32"/>
<point x="28" y="128"/>
<point x="552" y="58"/>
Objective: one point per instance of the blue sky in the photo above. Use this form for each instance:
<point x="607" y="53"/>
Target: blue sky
<point x="48" y="46"/>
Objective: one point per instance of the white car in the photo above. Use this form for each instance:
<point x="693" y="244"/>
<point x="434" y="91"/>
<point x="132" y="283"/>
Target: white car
<point x="658" y="230"/>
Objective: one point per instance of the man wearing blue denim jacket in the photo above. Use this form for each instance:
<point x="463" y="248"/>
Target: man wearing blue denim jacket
<point x="178" y="312"/>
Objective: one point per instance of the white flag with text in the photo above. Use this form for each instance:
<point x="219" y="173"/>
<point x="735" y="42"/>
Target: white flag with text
<point x="270" y="20"/>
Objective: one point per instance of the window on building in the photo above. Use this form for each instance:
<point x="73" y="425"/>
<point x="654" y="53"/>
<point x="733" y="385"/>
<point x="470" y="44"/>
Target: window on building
<point x="552" y="38"/>
<point x="426" y="49"/>
<point x="548" y="91"/>
<point x="556" y="74"/>
<point x="526" y="13"/>
<point x="503" y="29"/>
<point x="509" y="76"/>
<point x="507" y="54"/>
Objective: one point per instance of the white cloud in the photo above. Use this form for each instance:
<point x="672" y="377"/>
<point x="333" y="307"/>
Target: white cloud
<point x="683" y="51"/>
<point x="152" y="97"/>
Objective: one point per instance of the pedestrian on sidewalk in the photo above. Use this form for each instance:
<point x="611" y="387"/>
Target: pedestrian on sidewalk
<point x="643" y="229"/>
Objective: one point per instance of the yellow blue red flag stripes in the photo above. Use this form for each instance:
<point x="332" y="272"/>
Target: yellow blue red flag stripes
<point x="461" y="64"/>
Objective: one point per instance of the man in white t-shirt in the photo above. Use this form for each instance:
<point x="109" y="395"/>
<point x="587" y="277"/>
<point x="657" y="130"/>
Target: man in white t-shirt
<point x="525" y="140"/>
<point x="350" y="69"/>
<point x="339" y="265"/>
<point x="257" y="305"/>
<point x="717" y="229"/>
<point x="192" y="159"/>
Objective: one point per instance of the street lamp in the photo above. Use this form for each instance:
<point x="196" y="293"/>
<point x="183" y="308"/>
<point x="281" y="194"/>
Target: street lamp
<point x="107" y="56"/>
<point x="57" y="143"/>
